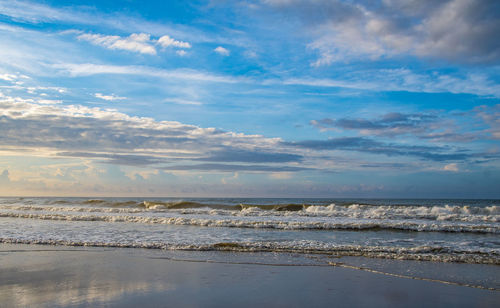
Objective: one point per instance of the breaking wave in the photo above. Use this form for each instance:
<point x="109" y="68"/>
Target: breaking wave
<point x="431" y="230"/>
<point x="293" y="224"/>
<point x="488" y="214"/>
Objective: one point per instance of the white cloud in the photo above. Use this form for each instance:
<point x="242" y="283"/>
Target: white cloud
<point x="166" y="41"/>
<point x="17" y="100"/>
<point x="136" y="42"/>
<point x="34" y="89"/>
<point x="36" y="13"/>
<point x="88" y="69"/>
<point x="183" y="101"/>
<point x="407" y="80"/>
<point x="14" y="78"/>
<point x="49" y="101"/>
<point x="181" y="52"/>
<point x="222" y="51"/>
<point x="8" y="77"/>
<point x="32" y="12"/>
<point x="451" y="167"/>
<point x="111" y="97"/>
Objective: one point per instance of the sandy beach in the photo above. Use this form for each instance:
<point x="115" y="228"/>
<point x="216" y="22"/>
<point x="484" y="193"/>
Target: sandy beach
<point x="60" y="276"/>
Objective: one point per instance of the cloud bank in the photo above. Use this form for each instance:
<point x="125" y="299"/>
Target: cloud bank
<point x="114" y="137"/>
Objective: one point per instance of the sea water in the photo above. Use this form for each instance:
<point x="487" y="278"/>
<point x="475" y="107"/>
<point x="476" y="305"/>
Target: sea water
<point x="465" y="231"/>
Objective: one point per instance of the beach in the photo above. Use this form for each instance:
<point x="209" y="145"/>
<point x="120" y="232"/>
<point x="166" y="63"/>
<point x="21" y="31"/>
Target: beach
<point x="226" y="252"/>
<point x="267" y="153"/>
<point x="62" y="276"/>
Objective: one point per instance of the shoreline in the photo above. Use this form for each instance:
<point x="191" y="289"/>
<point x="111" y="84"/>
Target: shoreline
<point x="63" y="276"/>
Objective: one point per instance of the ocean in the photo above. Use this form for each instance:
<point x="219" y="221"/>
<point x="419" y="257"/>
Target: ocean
<point x="465" y="231"/>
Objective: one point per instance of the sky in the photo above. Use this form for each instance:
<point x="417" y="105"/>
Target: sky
<point x="269" y="98"/>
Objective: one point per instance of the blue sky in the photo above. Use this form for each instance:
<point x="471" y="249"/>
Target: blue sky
<point x="275" y="98"/>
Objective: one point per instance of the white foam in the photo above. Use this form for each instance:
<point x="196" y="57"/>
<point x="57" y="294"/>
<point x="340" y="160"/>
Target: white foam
<point x="436" y="213"/>
<point x="449" y="213"/>
<point x="262" y="222"/>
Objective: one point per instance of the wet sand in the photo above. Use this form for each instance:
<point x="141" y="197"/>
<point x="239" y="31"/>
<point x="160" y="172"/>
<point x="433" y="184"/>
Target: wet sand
<point x="60" y="276"/>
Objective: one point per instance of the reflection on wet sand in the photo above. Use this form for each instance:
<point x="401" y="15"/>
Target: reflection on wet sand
<point x="53" y="279"/>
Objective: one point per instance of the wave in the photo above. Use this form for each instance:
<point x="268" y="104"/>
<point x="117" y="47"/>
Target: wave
<point x="489" y="214"/>
<point x="111" y="203"/>
<point x="176" y="205"/>
<point x="39" y="208"/>
<point x="420" y="253"/>
<point x="445" y="213"/>
<point x="352" y="224"/>
<point x="236" y="207"/>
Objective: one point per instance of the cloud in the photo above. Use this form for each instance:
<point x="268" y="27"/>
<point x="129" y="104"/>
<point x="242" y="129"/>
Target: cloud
<point x="366" y="145"/>
<point x="110" y="136"/>
<point x="89" y="69"/>
<point x="491" y="116"/>
<point x="49" y="101"/>
<point x="136" y="42"/>
<point x="421" y="125"/>
<point x="407" y="80"/>
<point x="39" y="101"/>
<point x="451" y="167"/>
<point x="36" y="13"/>
<point x="222" y="51"/>
<point x="4" y="176"/>
<point x="111" y="97"/>
<point x="390" y="123"/>
<point x="166" y="41"/>
<point x="17" y="78"/>
<point x="181" y="101"/>
<point x="281" y="175"/>
<point x="238" y="155"/>
<point x="232" y="168"/>
<point x="17" y="81"/>
<point x="463" y="31"/>
<point x="455" y="30"/>
<point x="71" y="15"/>
<point x="119" y="159"/>
<point x="373" y="80"/>
<point x="388" y="166"/>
